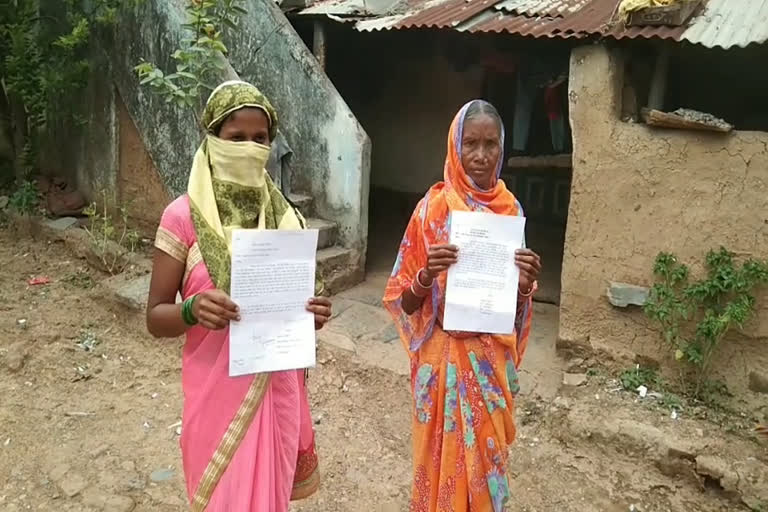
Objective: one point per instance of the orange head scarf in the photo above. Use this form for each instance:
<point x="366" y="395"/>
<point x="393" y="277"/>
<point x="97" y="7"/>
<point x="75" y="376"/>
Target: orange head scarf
<point x="462" y="192"/>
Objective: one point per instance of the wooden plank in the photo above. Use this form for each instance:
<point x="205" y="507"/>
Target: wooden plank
<point x="685" y="121"/>
<point x="563" y="161"/>
<point x="659" y="80"/>
<point x="319" y="43"/>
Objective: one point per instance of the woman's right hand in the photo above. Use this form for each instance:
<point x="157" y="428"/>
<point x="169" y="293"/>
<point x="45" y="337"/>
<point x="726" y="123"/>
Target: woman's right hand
<point x="213" y="310"/>
<point x="439" y="258"/>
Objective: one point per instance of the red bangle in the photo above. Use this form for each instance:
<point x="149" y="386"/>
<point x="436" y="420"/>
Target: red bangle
<point x="423" y="291"/>
<point x="418" y="280"/>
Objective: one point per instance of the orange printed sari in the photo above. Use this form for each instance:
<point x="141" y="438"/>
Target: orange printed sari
<point x="463" y="384"/>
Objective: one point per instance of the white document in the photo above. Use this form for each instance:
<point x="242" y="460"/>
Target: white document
<point x="273" y="277"/>
<point x="481" y="293"/>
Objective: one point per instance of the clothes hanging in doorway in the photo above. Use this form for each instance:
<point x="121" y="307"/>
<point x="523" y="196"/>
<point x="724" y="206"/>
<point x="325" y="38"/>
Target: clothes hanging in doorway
<point x="526" y="93"/>
<point x="554" y="110"/>
<point x="532" y="75"/>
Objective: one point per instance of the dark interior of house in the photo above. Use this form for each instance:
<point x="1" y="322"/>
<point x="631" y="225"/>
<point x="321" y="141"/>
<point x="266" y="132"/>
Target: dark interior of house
<point x="729" y="85"/>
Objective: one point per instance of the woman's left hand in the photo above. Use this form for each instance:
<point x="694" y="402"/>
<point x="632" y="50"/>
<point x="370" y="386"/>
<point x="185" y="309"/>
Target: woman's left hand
<point x="321" y="308"/>
<point x="530" y="267"/>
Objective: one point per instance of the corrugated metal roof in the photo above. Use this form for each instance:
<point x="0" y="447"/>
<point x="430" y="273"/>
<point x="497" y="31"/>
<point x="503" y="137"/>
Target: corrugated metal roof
<point x="383" y="23"/>
<point x="447" y="14"/>
<point x="349" y="7"/>
<point x="337" y="8"/>
<point x="534" y="8"/>
<point x="523" y="26"/>
<point x="718" y="23"/>
<point x="578" y="20"/>
<point x="727" y="23"/>
<point x="490" y="16"/>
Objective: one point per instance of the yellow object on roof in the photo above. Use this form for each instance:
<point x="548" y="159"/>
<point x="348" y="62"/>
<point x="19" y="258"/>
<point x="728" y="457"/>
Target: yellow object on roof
<point x="629" y="6"/>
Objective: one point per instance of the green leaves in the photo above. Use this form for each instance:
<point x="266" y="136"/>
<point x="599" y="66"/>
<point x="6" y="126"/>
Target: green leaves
<point x="76" y="38"/>
<point x="112" y="240"/>
<point x="199" y="59"/>
<point x="25" y="199"/>
<point x="696" y="317"/>
<point x="43" y="61"/>
<point x="636" y="377"/>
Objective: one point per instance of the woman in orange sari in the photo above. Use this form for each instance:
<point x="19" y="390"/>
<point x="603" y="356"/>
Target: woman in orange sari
<point x="463" y="384"/>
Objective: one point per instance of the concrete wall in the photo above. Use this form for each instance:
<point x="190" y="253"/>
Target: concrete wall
<point x="152" y="31"/>
<point x="331" y="157"/>
<point x="637" y="191"/>
<point x="331" y="151"/>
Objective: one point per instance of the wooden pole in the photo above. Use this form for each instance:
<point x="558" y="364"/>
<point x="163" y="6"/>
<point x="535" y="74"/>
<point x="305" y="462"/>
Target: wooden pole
<point x="658" y="88"/>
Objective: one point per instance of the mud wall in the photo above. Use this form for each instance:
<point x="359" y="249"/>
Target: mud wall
<point x="637" y="191"/>
<point x="140" y="189"/>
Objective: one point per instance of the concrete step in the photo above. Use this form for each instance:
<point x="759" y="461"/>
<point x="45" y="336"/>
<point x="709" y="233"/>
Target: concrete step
<point x="327" y="232"/>
<point x="303" y="202"/>
<point x="335" y="266"/>
<point x="333" y="258"/>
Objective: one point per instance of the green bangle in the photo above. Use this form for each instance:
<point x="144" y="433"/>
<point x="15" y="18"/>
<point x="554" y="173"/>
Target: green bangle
<point x="186" y="311"/>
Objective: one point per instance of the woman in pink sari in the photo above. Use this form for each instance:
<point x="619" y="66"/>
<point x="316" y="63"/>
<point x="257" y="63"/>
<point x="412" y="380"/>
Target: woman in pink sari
<point x="247" y="442"/>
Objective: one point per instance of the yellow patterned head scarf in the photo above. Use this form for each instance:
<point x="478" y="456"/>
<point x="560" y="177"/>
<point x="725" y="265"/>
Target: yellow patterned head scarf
<point x="232" y="96"/>
<point x="223" y="199"/>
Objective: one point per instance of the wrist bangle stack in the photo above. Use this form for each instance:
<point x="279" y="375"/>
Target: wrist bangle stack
<point x="186" y="311"/>
<point x="534" y="287"/>
<point x="418" y="289"/>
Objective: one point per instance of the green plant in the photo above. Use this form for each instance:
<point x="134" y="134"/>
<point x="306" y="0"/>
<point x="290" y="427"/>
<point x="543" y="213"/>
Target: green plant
<point x="24" y="199"/>
<point x="80" y="279"/>
<point x="695" y="317"/>
<point x="199" y="59"/>
<point x="112" y="243"/>
<point x="43" y="65"/>
<point x="671" y="401"/>
<point x="636" y="377"/>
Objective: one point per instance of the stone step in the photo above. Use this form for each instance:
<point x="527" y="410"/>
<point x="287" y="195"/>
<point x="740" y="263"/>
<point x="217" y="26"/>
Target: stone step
<point x="303" y="202"/>
<point x="335" y="265"/>
<point x="333" y="258"/>
<point x="327" y="232"/>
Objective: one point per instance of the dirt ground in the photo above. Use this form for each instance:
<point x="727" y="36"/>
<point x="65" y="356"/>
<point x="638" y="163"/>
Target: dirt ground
<point x="90" y="406"/>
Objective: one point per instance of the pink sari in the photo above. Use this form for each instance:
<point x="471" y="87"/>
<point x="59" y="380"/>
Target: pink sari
<point x="274" y="460"/>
